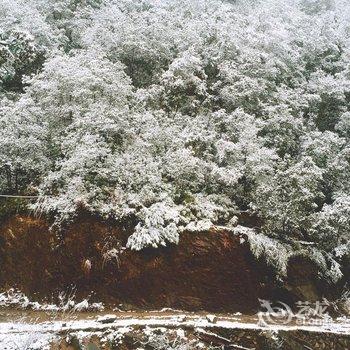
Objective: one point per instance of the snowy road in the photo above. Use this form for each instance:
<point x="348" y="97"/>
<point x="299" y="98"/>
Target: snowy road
<point x="15" y="334"/>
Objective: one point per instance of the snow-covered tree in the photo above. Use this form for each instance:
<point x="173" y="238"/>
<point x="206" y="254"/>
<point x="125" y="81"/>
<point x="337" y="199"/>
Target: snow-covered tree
<point x="177" y="114"/>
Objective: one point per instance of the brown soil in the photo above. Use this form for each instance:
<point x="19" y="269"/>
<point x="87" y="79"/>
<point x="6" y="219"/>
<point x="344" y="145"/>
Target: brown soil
<point x="303" y="279"/>
<point x="209" y="270"/>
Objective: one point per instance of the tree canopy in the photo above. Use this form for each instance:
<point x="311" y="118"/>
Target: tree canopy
<point x="179" y="114"/>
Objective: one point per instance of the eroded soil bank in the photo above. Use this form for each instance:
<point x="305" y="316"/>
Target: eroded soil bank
<point x="213" y="271"/>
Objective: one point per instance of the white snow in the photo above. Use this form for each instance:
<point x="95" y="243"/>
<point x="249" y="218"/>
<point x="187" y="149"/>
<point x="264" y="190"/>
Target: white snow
<point x="14" y="333"/>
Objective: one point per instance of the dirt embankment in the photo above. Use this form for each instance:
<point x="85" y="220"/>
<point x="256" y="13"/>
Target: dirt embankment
<point x="210" y="270"/>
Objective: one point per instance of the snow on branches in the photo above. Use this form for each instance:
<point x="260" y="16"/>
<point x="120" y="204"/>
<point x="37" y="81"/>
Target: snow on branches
<point x="180" y="114"/>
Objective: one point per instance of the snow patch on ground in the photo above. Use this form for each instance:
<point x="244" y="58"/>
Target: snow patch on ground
<point x="16" y="299"/>
<point x="34" y="336"/>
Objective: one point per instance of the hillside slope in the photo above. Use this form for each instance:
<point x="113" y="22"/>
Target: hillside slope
<point x="212" y="270"/>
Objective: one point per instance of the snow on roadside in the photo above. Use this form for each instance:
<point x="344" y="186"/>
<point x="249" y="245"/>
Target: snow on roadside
<point x="195" y="322"/>
<point x="38" y="336"/>
<point x="17" y="299"/>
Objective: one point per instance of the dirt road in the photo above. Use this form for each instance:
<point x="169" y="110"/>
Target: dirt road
<point x="33" y="329"/>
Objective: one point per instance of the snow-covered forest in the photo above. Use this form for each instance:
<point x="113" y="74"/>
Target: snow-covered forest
<point x="178" y="115"/>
